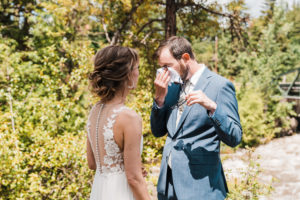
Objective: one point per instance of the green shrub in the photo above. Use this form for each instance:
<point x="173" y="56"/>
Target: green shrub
<point x="254" y="119"/>
<point x="262" y="119"/>
<point x="45" y="158"/>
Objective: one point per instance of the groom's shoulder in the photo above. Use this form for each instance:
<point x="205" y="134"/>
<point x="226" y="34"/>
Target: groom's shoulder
<point x="219" y="80"/>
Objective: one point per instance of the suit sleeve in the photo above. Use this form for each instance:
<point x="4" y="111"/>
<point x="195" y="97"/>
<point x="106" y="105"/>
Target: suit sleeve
<point x="226" y="118"/>
<point x="158" y="120"/>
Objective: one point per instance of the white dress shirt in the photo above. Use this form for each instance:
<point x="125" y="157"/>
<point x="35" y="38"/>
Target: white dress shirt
<point x="188" y="88"/>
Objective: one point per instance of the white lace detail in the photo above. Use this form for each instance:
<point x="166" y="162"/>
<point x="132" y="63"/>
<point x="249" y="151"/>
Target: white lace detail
<point x="110" y="181"/>
<point x="113" y="158"/>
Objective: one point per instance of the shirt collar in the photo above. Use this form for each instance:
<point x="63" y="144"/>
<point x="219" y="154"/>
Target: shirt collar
<point x="194" y="79"/>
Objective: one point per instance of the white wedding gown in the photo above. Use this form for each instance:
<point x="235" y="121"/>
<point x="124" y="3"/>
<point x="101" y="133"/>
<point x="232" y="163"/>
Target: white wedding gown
<point x="110" y="182"/>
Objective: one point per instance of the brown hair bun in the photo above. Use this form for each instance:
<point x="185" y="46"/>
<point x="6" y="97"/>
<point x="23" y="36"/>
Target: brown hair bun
<point x="112" y="66"/>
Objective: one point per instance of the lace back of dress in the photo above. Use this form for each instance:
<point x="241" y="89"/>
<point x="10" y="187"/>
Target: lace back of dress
<point x="108" y="156"/>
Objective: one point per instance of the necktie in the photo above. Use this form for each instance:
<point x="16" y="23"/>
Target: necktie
<point x="182" y="101"/>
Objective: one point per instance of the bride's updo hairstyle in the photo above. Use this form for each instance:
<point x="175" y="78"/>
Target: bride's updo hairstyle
<point x="112" y="66"/>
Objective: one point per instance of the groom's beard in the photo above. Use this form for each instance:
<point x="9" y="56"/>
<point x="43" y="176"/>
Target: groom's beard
<point x="184" y="71"/>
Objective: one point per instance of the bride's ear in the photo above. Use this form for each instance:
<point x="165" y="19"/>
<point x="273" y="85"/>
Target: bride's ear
<point x="129" y="82"/>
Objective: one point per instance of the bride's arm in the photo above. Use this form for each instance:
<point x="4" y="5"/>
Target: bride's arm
<point x="90" y="156"/>
<point x="132" y="126"/>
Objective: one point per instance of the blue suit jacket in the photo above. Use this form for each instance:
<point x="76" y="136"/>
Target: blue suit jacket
<point x="195" y="144"/>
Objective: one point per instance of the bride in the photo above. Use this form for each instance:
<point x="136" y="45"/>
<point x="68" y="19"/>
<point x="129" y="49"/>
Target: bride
<point x="114" y="140"/>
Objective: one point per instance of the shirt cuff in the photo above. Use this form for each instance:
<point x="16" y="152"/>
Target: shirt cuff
<point x="156" y="106"/>
<point x="210" y="113"/>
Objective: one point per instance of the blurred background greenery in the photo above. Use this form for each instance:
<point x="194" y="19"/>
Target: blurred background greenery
<point x="46" y="50"/>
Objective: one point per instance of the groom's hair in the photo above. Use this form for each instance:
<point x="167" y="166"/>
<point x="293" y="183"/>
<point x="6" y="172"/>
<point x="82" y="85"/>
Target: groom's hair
<point x="177" y="46"/>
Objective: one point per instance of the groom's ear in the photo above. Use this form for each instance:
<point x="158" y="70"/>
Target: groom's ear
<point x="186" y="57"/>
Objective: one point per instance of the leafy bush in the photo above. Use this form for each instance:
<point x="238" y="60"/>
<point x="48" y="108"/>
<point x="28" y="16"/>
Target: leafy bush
<point x="256" y="128"/>
<point x="44" y="157"/>
<point x="43" y="90"/>
<point x="261" y="120"/>
<point x="254" y="69"/>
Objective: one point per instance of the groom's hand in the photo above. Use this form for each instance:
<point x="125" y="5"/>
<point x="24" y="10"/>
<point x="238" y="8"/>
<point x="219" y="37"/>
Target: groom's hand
<point x="200" y="98"/>
<point x="161" y="87"/>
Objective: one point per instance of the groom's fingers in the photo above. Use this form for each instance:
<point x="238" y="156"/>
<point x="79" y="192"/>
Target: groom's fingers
<point x="167" y="80"/>
<point x="191" y="102"/>
<point x="161" y="87"/>
<point x="197" y="93"/>
<point x="162" y="77"/>
<point x="165" y="77"/>
<point x="194" y="97"/>
<point x="191" y="99"/>
<point x="158" y="76"/>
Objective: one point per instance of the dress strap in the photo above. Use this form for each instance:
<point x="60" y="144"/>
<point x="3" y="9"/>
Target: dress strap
<point x="117" y="111"/>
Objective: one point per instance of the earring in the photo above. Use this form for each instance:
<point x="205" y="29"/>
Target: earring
<point x="130" y="86"/>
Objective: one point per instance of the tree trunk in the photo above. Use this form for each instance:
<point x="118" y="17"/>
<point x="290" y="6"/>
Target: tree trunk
<point x="170" y="27"/>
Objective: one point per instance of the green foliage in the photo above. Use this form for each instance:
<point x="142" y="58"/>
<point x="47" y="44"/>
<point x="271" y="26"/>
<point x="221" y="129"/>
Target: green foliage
<point x="256" y="128"/>
<point x="262" y="60"/>
<point x="294" y="16"/>
<point x="43" y="82"/>
<point x="44" y="156"/>
<point x="14" y="20"/>
<point x="141" y="102"/>
<point x="262" y="120"/>
<point x="205" y="52"/>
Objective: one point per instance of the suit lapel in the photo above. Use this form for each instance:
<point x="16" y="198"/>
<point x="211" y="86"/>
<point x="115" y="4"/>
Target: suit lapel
<point x="200" y="85"/>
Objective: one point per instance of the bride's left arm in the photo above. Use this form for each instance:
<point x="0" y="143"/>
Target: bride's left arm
<point x="132" y="129"/>
<point x="90" y="156"/>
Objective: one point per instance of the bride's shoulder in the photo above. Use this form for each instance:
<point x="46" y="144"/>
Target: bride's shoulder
<point x="130" y="122"/>
<point x="129" y="115"/>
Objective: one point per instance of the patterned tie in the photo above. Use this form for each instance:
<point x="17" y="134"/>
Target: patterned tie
<point x="182" y="101"/>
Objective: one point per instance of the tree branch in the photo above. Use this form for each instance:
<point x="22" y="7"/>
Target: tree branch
<point x="149" y="23"/>
<point x="105" y="30"/>
<point x="126" y="20"/>
<point x="181" y="5"/>
<point x="234" y="19"/>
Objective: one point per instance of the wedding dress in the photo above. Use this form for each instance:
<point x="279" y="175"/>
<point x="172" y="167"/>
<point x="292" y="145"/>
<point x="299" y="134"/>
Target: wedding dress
<point x="110" y="182"/>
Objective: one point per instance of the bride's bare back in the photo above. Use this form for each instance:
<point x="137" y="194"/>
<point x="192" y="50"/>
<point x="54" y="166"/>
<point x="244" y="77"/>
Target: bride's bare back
<point x="106" y="140"/>
<point x="114" y="138"/>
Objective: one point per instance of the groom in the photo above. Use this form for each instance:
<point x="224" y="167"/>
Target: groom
<point x="196" y="117"/>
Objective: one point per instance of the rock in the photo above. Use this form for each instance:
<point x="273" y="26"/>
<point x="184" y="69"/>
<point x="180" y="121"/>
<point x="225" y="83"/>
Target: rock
<point x="294" y="124"/>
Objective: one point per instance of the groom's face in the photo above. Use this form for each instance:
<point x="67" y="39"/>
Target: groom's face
<point x="166" y="59"/>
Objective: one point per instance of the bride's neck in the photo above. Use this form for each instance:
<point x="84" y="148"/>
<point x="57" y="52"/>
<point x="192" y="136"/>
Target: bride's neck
<point x="119" y="99"/>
